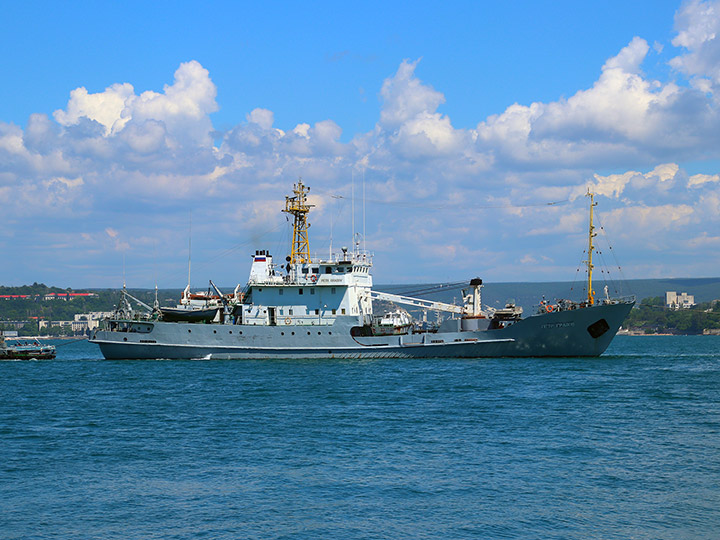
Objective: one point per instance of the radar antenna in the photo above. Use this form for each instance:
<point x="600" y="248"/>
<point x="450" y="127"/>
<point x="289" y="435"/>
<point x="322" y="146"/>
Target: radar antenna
<point x="298" y="208"/>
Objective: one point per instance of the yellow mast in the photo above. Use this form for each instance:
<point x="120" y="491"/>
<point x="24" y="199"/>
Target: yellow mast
<point x="591" y="248"/>
<point x="298" y="208"/>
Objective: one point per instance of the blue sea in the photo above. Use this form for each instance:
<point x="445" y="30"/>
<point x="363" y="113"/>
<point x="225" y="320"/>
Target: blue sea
<point x="625" y="446"/>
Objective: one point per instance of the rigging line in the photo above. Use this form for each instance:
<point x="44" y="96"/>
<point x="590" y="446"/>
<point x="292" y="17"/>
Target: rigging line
<point x="229" y="251"/>
<point x="575" y="280"/>
<point x="606" y="268"/>
<point x="236" y="247"/>
<point x="334" y="218"/>
<point x="450" y="205"/>
<point x="69" y="342"/>
<point x="605" y="271"/>
<point x="283" y="242"/>
<point x="441" y="287"/>
<point x="617" y="263"/>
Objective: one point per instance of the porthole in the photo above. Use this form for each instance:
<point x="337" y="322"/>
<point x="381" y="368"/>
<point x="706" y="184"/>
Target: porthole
<point x="282" y="333"/>
<point x="189" y="330"/>
<point x="214" y="331"/>
<point x="293" y="333"/>
<point x="124" y="339"/>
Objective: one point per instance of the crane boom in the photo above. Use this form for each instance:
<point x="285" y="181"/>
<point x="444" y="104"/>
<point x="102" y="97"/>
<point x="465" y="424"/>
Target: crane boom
<point x="417" y="302"/>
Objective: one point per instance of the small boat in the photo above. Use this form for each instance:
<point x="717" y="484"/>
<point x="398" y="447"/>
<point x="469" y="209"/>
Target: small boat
<point x="25" y="350"/>
<point x="393" y="323"/>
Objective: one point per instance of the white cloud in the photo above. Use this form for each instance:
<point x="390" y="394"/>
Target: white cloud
<point x="405" y="97"/>
<point x="622" y="117"/>
<point x="561" y="222"/>
<point x="262" y="117"/>
<point x="705" y="241"/>
<point x="104" y="107"/>
<point x="182" y="108"/>
<point x="660" y="178"/>
<point x="698" y="179"/>
<point x="698" y="25"/>
<point x="128" y="160"/>
<point x="409" y="120"/>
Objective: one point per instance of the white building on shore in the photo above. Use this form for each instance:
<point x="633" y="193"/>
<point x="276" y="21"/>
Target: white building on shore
<point x="81" y="324"/>
<point x="674" y="300"/>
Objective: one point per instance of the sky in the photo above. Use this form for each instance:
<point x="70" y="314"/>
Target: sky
<point x="135" y="136"/>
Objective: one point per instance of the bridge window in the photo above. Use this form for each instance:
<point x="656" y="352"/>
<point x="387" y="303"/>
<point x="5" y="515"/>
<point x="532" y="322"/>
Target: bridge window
<point x="328" y="270"/>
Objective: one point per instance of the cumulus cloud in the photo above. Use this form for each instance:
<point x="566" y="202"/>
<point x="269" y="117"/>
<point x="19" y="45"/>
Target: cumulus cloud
<point x="405" y="97"/>
<point x="622" y="118"/>
<point x="661" y="178"/>
<point x="698" y="31"/>
<point x="699" y="179"/>
<point x="262" y="117"/>
<point x="146" y="154"/>
<point x="182" y="109"/>
<point x="105" y="107"/>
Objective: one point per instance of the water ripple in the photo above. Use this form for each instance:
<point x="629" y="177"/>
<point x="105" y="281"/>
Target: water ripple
<point x="622" y="446"/>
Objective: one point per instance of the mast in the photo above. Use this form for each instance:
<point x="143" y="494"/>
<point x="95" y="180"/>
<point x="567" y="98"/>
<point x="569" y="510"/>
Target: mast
<point x="352" y="211"/>
<point x="364" y="244"/>
<point x="189" y="248"/>
<point x="591" y="234"/>
<point x="298" y="208"/>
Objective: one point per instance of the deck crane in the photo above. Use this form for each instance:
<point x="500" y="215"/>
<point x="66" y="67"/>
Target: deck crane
<point x="472" y="302"/>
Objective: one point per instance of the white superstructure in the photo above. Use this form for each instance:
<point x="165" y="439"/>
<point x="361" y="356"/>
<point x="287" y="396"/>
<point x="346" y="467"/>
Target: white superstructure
<point x="307" y="293"/>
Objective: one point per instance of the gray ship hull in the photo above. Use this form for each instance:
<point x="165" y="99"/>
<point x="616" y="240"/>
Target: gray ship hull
<point x="573" y="333"/>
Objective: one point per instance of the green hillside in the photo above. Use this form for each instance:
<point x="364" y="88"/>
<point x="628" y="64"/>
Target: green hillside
<point x="528" y="295"/>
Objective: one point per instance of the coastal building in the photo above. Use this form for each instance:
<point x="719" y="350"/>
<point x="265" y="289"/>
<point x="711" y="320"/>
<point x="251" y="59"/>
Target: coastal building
<point x="68" y="296"/>
<point x="82" y="323"/>
<point x="89" y="321"/>
<point x="44" y="324"/>
<point x="674" y="300"/>
<point x="49" y="296"/>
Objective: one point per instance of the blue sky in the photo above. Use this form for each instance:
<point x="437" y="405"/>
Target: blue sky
<point x="119" y="121"/>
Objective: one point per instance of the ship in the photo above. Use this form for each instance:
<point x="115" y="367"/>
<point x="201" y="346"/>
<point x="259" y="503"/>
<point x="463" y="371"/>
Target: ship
<point x="322" y="307"/>
<point x="24" y="349"/>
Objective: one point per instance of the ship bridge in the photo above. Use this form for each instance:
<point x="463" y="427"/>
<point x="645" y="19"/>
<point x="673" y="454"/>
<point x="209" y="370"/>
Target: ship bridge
<point x="308" y="293"/>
